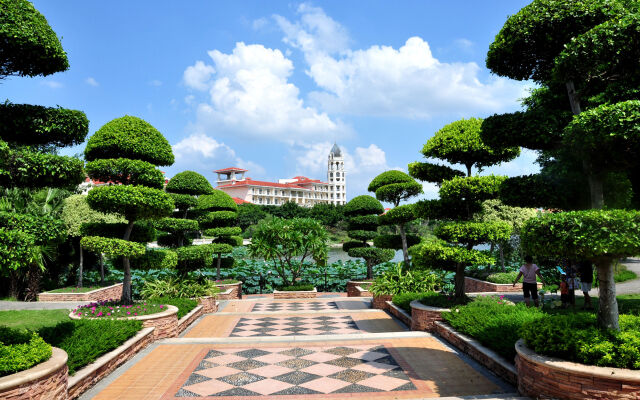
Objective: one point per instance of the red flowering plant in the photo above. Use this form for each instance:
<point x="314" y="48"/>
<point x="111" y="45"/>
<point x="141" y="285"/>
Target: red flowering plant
<point x="113" y="309"/>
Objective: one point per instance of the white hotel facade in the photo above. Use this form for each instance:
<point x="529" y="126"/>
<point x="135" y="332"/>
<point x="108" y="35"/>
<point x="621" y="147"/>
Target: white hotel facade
<point x="300" y="189"/>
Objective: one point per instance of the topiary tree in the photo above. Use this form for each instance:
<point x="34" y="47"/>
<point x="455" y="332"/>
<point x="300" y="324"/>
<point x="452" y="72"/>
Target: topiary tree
<point x="183" y="187"/>
<point x="139" y="145"/>
<point x="362" y="213"/>
<point x="288" y="243"/>
<point x="219" y="218"/>
<point x="394" y="187"/>
<point x="75" y="213"/>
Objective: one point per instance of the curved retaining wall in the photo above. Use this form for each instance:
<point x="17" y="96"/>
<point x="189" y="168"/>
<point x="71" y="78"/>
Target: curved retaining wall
<point x="472" y="285"/>
<point x="235" y="294"/>
<point x="542" y="377"/>
<point x="105" y="293"/>
<point x="209" y="304"/>
<point x="165" y="322"/>
<point x="380" y="301"/>
<point x="399" y="313"/>
<point x="302" y="294"/>
<point x="423" y="318"/>
<point x="354" y="289"/>
<point x="47" y="380"/>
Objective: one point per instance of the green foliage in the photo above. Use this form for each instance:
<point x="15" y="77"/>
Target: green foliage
<point x="397" y="280"/>
<point x="21" y="350"/>
<point x="363" y="222"/>
<point x="403" y="300"/>
<point x="574" y="337"/>
<point x="584" y="234"/>
<point x="398" y="215"/>
<point x="129" y="137"/>
<point x="176" y="225"/>
<point x="189" y="182"/>
<point x="179" y="288"/>
<point x="126" y="172"/>
<point x="394" y="241"/>
<point x="111" y="247"/>
<point x="192" y="258"/>
<point x="76" y="212"/>
<point x="531" y="191"/>
<point x="460" y="143"/>
<point x="155" y="258"/>
<point x="396" y="192"/>
<point x="474" y="189"/>
<point x="433" y="254"/>
<point x="427" y="172"/>
<point x="352" y="244"/>
<point x="494" y="322"/>
<point x="362" y="235"/>
<point x="86" y="340"/>
<point x="217" y="219"/>
<point x="327" y="214"/>
<point x="216" y="201"/>
<point x="502" y="277"/>
<point x="183" y="201"/>
<point x="43" y="228"/>
<point x="142" y="232"/>
<point x="17" y="249"/>
<point x="28" y="169"/>
<point x="372" y="255"/>
<point x="184" y="305"/>
<point x="29" y="46"/>
<point x="249" y="214"/>
<point x="363" y="205"/>
<point x="223" y="231"/>
<point x="300" y="287"/>
<point x="29" y="125"/>
<point x="495" y="211"/>
<point x="441" y="300"/>
<point x="473" y="233"/>
<point x="388" y="178"/>
<point x="134" y="202"/>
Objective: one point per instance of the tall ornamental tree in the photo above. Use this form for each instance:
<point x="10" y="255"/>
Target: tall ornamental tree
<point x="125" y="152"/>
<point x="584" y="56"/>
<point x="362" y="215"/>
<point x="394" y="187"/>
<point x="183" y="188"/>
<point x="219" y="219"/>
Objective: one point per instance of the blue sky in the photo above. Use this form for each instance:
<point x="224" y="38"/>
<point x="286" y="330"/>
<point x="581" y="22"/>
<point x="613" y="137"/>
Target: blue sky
<point x="269" y="86"/>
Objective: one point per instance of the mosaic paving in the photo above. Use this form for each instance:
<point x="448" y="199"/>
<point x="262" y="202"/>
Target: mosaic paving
<point x="290" y="326"/>
<point x="295" y="371"/>
<point x="295" y="306"/>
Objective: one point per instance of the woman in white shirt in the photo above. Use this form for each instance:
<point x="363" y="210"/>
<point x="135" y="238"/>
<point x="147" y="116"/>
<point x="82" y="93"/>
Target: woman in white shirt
<point x="529" y="271"/>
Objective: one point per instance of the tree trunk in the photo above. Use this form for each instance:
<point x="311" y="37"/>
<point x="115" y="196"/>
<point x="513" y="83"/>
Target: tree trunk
<point x="13" y="285"/>
<point x="459" y="281"/>
<point x="218" y="266"/>
<point x="574" y="98"/>
<point x="80" y="267"/>
<point x="468" y="170"/>
<point x="608" y="305"/>
<point x="126" y="298"/>
<point x="405" y="251"/>
<point x="369" y="270"/>
<point x="595" y="187"/>
<point x="502" y="258"/>
<point x="101" y="269"/>
<point x="33" y="282"/>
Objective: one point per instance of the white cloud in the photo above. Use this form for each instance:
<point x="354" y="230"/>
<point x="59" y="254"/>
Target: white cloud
<point x="259" y="23"/>
<point x="202" y="145"/>
<point x="381" y="80"/>
<point x="53" y="84"/>
<point x="91" y="82"/>
<point x="464" y="44"/>
<point x="155" y="83"/>
<point x="250" y="95"/>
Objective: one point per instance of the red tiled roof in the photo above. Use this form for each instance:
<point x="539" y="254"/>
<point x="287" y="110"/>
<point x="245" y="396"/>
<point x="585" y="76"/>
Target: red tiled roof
<point x="240" y="201"/>
<point x="251" y="182"/>
<point x="230" y="169"/>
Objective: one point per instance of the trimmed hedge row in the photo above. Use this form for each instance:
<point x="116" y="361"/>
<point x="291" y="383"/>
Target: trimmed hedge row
<point x="20" y="350"/>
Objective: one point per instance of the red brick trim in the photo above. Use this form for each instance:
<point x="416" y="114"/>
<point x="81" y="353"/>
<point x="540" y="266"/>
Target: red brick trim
<point x="105" y="293"/>
<point x="299" y="294"/>
<point x="380" y="301"/>
<point x="424" y="317"/>
<point x="236" y="291"/>
<point x="472" y="285"/>
<point x="354" y="289"/>
<point x="47" y="380"/>
<point x="399" y="313"/>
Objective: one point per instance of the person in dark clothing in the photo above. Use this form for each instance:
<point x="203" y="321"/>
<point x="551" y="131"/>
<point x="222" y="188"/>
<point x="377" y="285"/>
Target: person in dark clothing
<point x="585" y="268"/>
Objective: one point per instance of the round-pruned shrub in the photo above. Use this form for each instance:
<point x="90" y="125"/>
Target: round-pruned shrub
<point x="134" y="202"/>
<point x="363" y="222"/>
<point x="126" y="172"/>
<point x="216" y="201"/>
<point x="142" y="232"/>
<point x="129" y="137"/>
<point x="388" y="178"/>
<point x="352" y="244"/>
<point x="193" y="258"/>
<point x="173" y="240"/>
<point x="223" y="231"/>
<point x="189" y="182"/>
<point x="434" y="173"/>
<point x="220" y="218"/>
<point x="174" y="225"/>
<point x="362" y="235"/>
<point x="112" y="247"/>
<point x="373" y="255"/>
<point x="363" y="205"/>
<point x="155" y="259"/>
<point x="21" y="350"/>
<point x="395" y="241"/>
<point x="398" y="191"/>
<point x="434" y="254"/>
<point x="183" y="201"/>
<point x="398" y="215"/>
<point x="473" y="232"/>
<point x="473" y="189"/>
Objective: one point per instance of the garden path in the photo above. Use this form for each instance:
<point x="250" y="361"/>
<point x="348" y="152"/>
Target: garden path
<point x="323" y="348"/>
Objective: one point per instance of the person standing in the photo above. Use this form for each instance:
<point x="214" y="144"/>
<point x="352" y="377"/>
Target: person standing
<point x="529" y="271"/>
<point x="585" y="268"/>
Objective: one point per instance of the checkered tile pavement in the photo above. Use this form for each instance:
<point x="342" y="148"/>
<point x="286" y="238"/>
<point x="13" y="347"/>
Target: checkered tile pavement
<point x="289" y="326"/>
<point x="296" y="371"/>
<point x="295" y="306"/>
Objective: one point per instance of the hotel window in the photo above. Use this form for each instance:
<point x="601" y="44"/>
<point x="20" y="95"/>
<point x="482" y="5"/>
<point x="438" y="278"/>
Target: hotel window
<point x="275" y="201"/>
<point x="260" y="191"/>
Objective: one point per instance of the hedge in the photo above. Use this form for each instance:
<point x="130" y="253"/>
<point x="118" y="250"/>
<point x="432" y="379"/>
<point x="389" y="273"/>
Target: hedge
<point x="112" y="247"/>
<point x="395" y="241"/>
<point x="142" y="232"/>
<point x="216" y="201"/>
<point x="189" y="182"/>
<point x="388" y="178"/>
<point x="21" y="350"/>
<point x="134" y="202"/>
<point x="126" y="172"/>
<point x="363" y="205"/>
<point x="473" y="232"/>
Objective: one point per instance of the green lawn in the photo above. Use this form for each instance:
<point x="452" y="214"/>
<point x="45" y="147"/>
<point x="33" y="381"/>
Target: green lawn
<point x="73" y="289"/>
<point x="627" y="304"/>
<point x="32" y="319"/>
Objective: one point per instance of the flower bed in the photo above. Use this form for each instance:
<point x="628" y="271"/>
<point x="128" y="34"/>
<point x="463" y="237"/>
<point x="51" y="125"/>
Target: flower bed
<point x="100" y="294"/>
<point x="46" y="380"/>
<point x="298" y="294"/>
<point x="472" y="285"/>
<point x="21" y="350"/>
<point x="112" y="309"/>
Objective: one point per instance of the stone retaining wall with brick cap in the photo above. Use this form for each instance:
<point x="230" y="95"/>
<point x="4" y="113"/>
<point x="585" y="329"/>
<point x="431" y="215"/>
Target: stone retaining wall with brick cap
<point x="299" y="294"/>
<point x="47" y="380"/>
<point x="105" y="293"/>
<point x="423" y="318"/>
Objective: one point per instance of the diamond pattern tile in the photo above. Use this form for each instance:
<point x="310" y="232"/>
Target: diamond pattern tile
<point x="291" y="326"/>
<point x="295" y="371"/>
<point x="295" y="306"/>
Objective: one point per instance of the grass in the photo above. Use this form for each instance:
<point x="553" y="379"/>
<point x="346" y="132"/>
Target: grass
<point x="8" y="299"/>
<point x="622" y="274"/>
<point x="184" y="305"/>
<point x="73" y="289"/>
<point x="32" y="319"/>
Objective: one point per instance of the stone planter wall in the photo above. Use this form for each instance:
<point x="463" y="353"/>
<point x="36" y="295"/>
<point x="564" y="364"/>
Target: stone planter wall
<point x="235" y="294"/>
<point x="485" y="356"/>
<point x="380" y="301"/>
<point x="399" y="313"/>
<point x="209" y="304"/>
<point x="424" y="317"/>
<point x="47" y="380"/>
<point x="301" y="294"/>
<point x="546" y="377"/>
<point x="472" y="285"/>
<point x="165" y="322"/>
<point x="355" y="289"/>
<point x="105" y="293"/>
<point x="185" y="321"/>
<point x="91" y="374"/>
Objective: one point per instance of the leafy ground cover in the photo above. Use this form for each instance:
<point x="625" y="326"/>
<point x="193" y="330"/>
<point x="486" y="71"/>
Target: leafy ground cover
<point x="184" y="305"/>
<point x="622" y="274"/>
<point x="32" y="319"/>
<point x="297" y="288"/>
<point x="73" y="289"/>
<point x="113" y="309"/>
<point x="20" y="350"/>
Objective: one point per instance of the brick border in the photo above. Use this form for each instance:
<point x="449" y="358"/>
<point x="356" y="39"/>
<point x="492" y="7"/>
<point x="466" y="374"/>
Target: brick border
<point x="355" y="289"/>
<point x="483" y="355"/>
<point x="399" y="313"/>
<point x="473" y="285"/>
<point x="208" y="303"/>
<point x="298" y="294"/>
<point x="105" y="293"/>
<point x="47" y="380"/>
<point x="236" y="291"/>
<point x="92" y="373"/>
<point x="380" y="301"/>
<point x="542" y="376"/>
<point x="186" y="320"/>
<point x="424" y="317"/>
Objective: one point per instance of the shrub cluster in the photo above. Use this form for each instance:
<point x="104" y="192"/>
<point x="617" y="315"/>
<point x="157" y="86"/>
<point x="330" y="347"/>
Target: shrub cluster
<point x="20" y="350"/>
<point x="184" y="305"/>
<point x="397" y="280"/>
<point x="178" y="288"/>
<point x="403" y="300"/>
<point x="441" y="300"/>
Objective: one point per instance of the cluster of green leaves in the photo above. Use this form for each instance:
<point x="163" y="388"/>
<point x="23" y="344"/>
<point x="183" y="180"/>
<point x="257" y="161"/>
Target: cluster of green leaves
<point x="17" y="249"/>
<point x="398" y="280"/>
<point x="182" y="288"/>
<point x="189" y="182"/>
<point x="24" y="168"/>
<point x="298" y="287"/>
<point x="395" y="241"/>
<point x="125" y="171"/>
<point x="575" y="337"/>
<point x="473" y="233"/>
<point x="21" y="350"/>
<point x="434" y="173"/>
<point x="394" y="186"/>
<point x="43" y="228"/>
<point x="404" y="299"/>
<point x="76" y="212"/>
<point x="442" y="300"/>
<point x="192" y="258"/>
<point x="398" y="215"/>
<point x="155" y="258"/>
<point x="503" y="277"/>
<point x="184" y="305"/>
<point x="112" y="247"/>
<point x="494" y="322"/>
<point x="86" y="340"/>
<point x="134" y="202"/>
<point x="142" y="232"/>
<point x="471" y="190"/>
<point x="436" y="254"/>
